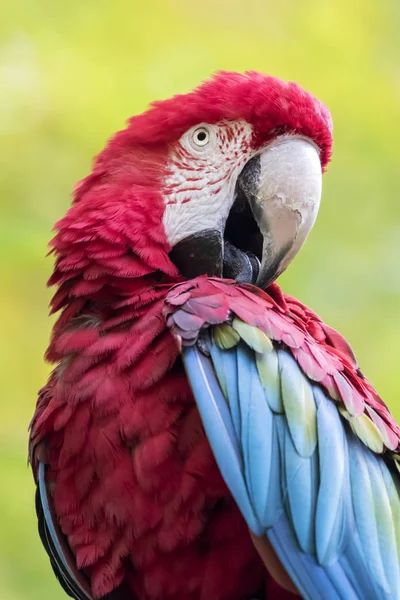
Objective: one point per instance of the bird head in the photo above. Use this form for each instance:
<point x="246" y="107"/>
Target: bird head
<point x="224" y="181"/>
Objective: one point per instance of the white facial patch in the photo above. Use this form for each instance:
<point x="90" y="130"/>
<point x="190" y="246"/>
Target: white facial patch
<point x="202" y="172"/>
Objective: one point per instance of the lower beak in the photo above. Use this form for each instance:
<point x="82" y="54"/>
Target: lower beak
<point x="200" y="254"/>
<point x="280" y="191"/>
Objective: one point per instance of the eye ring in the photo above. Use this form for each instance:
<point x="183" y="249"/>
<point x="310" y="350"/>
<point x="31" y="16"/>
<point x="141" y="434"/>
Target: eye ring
<point x="201" y="137"/>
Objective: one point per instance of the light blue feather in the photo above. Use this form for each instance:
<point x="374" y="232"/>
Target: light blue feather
<point x="220" y="358"/>
<point x="274" y="505"/>
<point x="392" y="486"/>
<point x="226" y="368"/>
<point x="257" y="423"/>
<point x="355" y="567"/>
<point x="385" y="525"/>
<point x="332" y="519"/>
<point x="364" y="509"/>
<point x="218" y="425"/>
<point x="281" y="429"/>
<point x="302" y="476"/>
<point x="312" y="581"/>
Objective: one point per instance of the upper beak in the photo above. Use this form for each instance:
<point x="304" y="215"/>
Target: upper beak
<point x="281" y="188"/>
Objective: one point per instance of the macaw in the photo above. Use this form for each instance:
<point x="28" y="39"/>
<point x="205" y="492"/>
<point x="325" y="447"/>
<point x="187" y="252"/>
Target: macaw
<point x="203" y="435"/>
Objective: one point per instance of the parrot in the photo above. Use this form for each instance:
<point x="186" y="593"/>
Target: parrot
<point x="202" y="434"/>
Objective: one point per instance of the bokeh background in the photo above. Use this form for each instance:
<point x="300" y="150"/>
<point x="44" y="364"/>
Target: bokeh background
<point x="72" y="72"/>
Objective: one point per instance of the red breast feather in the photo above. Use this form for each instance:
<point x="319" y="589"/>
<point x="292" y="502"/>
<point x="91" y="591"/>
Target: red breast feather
<point x="135" y="486"/>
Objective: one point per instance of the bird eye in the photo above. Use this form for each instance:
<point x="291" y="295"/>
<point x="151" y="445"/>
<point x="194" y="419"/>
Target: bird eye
<point x="201" y="136"/>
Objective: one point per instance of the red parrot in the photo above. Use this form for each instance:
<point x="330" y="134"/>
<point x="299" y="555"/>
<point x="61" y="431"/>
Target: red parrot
<point x="197" y="418"/>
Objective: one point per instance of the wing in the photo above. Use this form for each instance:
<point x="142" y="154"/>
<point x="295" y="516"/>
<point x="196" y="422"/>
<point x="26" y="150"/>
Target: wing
<point x="72" y="579"/>
<point x="305" y="471"/>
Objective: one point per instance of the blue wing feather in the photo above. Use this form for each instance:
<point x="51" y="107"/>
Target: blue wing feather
<point x="256" y="436"/>
<point x="313" y="581"/>
<point x="218" y="425"/>
<point x="219" y="358"/>
<point x="329" y="506"/>
<point x="302" y="476"/>
<point x="274" y="506"/>
<point x="364" y="508"/>
<point x="333" y="519"/>
<point x="385" y="529"/>
<point x="227" y="369"/>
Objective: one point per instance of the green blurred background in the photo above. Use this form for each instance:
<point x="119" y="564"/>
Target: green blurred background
<point x="72" y="72"/>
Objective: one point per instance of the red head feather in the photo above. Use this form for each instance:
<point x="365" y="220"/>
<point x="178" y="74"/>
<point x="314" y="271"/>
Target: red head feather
<point x="272" y="106"/>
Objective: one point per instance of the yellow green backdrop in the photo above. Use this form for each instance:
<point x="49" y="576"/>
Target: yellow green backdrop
<point x="72" y="72"/>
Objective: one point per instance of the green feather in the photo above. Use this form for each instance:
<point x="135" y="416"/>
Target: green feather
<point x="344" y="412"/>
<point x="254" y="338"/>
<point x="299" y="405"/>
<point x="396" y="458"/>
<point x="368" y="432"/>
<point x="365" y="430"/>
<point x="225" y="336"/>
<point x="268" y="371"/>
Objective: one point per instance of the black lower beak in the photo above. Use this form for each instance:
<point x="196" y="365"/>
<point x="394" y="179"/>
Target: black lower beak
<point x="199" y="254"/>
<point x="207" y="253"/>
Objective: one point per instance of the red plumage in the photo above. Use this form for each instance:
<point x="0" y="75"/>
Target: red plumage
<point x="132" y="477"/>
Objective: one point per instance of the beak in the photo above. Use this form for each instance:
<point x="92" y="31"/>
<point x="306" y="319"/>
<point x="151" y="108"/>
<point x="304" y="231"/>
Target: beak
<point x="278" y="195"/>
<point x="283" y="188"/>
<point x="199" y="254"/>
